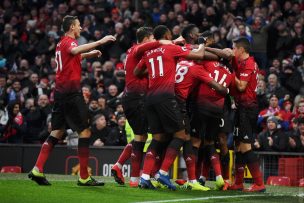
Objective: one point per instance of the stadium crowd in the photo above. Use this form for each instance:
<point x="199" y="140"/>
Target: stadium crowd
<point x="31" y="29"/>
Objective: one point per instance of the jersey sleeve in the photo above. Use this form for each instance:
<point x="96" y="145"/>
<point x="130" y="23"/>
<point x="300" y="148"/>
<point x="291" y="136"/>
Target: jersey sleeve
<point x="178" y="51"/>
<point x="70" y="45"/>
<point x="201" y="74"/>
<point x="245" y="74"/>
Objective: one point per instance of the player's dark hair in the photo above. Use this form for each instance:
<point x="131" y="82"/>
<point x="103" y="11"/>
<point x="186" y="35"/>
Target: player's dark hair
<point x="187" y="31"/>
<point x="143" y="32"/>
<point x="67" y="22"/>
<point x="242" y="42"/>
<point x="160" y="31"/>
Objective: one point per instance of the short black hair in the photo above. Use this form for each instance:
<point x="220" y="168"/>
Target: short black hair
<point x="187" y="30"/>
<point x="159" y="31"/>
<point x="207" y="34"/>
<point x="67" y="22"/>
<point x="143" y="32"/>
<point x="242" y="42"/>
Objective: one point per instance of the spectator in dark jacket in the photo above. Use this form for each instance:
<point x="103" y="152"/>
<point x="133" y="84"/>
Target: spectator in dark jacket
<point x="293" y="135"/>
<point x="274" y="87"/>
<point x="273" y="139"/>
<point x="301" y="129"/>
<point x="100" y="131"/>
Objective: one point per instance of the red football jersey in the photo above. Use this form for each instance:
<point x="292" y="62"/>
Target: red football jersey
<point x="208" y="100"/>
<point x="134" y="84"/>
<point x="68" y="70"/>
<point x="246" y="70"/>
<point x="188" y="75"/>
<point x="161" y="64"/>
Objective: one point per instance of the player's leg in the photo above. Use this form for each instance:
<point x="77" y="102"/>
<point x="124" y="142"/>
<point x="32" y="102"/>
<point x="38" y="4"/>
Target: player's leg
<point x="123" y="157"/>
<point x="77" y="117"/>
<point x="135" y="113"/>
<point x="225" y="128"/>
<point x="172" y="121"/>
<point x="58" y="125"/>
<point x="36" y="173"/>
<point x="224" y="158"/>
<point x="149" y="162"/>
<point x="249" y="157"/>
<point x="155" y="146"/>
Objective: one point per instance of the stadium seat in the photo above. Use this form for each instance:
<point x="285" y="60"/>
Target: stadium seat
<point x="301" y="182"/>
<point x="278" y="180"/>
<point x="11" y="169"/>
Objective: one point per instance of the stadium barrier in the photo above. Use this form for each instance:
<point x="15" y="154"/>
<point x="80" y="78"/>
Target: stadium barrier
<point x="64" y="158"/>
<point x="287" y="164"/>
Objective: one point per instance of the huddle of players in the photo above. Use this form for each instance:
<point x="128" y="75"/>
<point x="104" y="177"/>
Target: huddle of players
<point x="166" y="84"/>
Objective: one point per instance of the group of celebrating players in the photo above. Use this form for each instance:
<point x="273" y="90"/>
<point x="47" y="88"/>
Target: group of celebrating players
<point x="176" y="93"/>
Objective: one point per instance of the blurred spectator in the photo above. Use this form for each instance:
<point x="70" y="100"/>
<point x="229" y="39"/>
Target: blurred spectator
<point x="94" y="109"/>
<point x="14" y="92"/>
<point x="100" y="131"/>
<point x="237" y="29"/>
<point x="3" y="91"/>
<point x="13" y="129"/>
<point x="273" y="110"/>
<point x="102" y="104"/>
<point x="111" y="95"/>
<point x="301" y="128"/>
<point x="274" y="87"/>
<point x="118" y="137"/>
<point x="259" y="33"/>
<point x="294" y="136"/>
<point x="35" y="121"/>
<point x="44" y="105"/>
<point x="273" y="139"/>
<point x="299" y="109"/>
<point x="261" y="95"/>
<point x="86" y="92"/>
<point x="122" y="43"/>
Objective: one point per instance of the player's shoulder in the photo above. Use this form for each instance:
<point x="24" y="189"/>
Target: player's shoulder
<point x="132" y="48"/>
<point x="250" y="62"/>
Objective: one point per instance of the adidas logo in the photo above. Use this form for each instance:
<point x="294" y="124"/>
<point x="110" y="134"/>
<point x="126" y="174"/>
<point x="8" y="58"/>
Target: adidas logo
<point x="188" y="159"/>
<point x="246" y="137"/>
<point x="149" y="153"/>
<point x="213" y="157"/>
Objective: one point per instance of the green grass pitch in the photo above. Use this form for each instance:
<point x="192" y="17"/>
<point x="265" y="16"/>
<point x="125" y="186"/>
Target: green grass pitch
<point x="18" y="188"/>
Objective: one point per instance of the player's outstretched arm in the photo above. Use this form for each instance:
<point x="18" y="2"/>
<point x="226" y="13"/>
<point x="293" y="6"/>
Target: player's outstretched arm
<point x="219" y="88"/>
<point x="87" y="47"/>
<point x="141" y="49"/>
<point x="197" y="54"/>
<point x="223" y="53"/>
<point x="140" y="70"/>
<point x="91" y="54"/>
<point x="240" y="84"/>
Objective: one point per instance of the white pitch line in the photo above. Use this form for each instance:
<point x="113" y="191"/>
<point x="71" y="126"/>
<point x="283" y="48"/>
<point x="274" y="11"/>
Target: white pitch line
<point x="201" y="198"/>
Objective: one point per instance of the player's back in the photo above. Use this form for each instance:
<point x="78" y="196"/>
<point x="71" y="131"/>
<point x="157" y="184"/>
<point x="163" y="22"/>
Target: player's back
<point x="134" y="84"/>
<point x="188" y="75"/>
<point x="208" y="100"/>
<point x="161" y="64"/>
<point x="68" y="70"/>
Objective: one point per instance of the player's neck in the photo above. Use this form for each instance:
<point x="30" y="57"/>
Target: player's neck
<point x="70" y="34"/>
<point x="244" y="56"/>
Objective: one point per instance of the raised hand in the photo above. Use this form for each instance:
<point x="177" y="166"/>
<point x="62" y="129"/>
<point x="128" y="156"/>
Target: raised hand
<point x="108" y="38"/>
